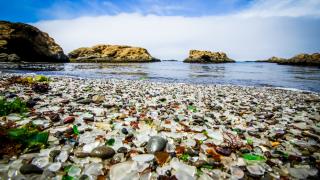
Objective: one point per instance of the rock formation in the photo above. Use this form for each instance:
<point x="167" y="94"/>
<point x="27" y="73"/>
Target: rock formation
<point x="23" y="42"/>
<point x="111" y="53"/>
<point x="196" y="56"/>
<point x="300" y="59"/>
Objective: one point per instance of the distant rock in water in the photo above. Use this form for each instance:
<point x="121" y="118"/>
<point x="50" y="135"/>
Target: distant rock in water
<point x="196" y="56"/>
<point x="300" y="59"/>
<point x="276" y="59"/>
<point x="111" y="53"/>
<point x="23" y="42"/>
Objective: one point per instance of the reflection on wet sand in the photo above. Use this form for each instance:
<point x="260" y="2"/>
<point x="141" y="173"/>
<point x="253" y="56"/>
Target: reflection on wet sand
<point x="247" y="74"/>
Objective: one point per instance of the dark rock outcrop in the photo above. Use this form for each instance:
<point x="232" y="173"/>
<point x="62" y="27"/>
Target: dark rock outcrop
<point x="111" y="53"/>
<point x="300" y="59"/>
<point x="196" y="56"/>
<point x="23" y="42"/>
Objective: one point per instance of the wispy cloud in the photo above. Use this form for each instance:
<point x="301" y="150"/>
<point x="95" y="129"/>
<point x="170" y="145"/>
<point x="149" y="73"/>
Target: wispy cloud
<point x="285" y="8"/>
<point x="246" y="35"/>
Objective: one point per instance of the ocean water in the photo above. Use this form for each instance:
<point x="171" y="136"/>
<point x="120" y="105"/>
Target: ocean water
<point x="240" y="73"/>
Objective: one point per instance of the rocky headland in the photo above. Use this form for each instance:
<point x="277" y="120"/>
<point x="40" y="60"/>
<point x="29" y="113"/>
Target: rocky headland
<point x="111" y="53"/>
<point x="23" y="42"/>
<point x="197" y="56"/>
<point x="300" y="59"/>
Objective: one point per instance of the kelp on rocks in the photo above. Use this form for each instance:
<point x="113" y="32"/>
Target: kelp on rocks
<point x="38" y="83"/>
<point x="27" y="138"/>
<point x="15" y="106"/>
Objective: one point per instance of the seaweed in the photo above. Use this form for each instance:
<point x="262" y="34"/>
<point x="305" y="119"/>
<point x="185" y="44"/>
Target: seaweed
<point x="39" y="83"/>
<point x="15" y="106"/>
<point x="27" y="138"/>
<point x="232" y="141"/>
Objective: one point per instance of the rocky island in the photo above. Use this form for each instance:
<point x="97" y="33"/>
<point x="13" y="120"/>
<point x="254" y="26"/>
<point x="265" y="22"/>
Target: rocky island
<point x="300" y="59"/>
<point x="23" y="42"/>
<point x="197" y="56"/>
<point x="111" y="53"/>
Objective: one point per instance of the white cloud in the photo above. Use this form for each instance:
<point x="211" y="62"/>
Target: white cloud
<point x="286" y="8"/>
<point x="249" y="35"/>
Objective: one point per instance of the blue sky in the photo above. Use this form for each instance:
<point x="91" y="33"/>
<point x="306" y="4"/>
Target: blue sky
<point x="244" y="29"/>
<point x="35" y="10"/>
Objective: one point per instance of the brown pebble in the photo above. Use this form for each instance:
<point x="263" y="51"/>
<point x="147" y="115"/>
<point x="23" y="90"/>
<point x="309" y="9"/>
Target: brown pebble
<point x="69" y="119"/>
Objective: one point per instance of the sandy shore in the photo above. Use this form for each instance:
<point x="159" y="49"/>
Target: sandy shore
<point x="119" y="129"/>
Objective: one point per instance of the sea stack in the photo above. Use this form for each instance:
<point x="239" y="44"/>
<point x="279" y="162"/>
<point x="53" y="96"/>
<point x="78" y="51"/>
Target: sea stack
<point x="23" y="42"/>
<point x="111" y="53"/>
<point x="197" y="56"/>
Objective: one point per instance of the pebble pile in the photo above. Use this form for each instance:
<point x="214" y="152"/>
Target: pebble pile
<point x="119" y="129"/>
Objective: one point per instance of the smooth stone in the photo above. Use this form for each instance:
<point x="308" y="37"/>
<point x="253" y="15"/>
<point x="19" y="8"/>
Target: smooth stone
<point x="103" y="152"/>
<point x="124" y="171"/>
<point x="94" y="169"/>
<point x="69" y="119"/>
<point x="224" y="151"/>
<point x="30" y="169"/>
<point x="302" y="173"/>
<point x="97" y="99"/>
<point x="256" y="170"/>
<point x="143" y="157"/>
<point x="84" y="101"/>
<point x="124" y="131"/>
<point x="63" y="156"/>
<point x="156" y="144"/>
<point x="31" y="103"/>
<point x="179" y="166"/>
<point x="54" y="167"/>
<point x="236" y="172"/>
<point x="99" y="112"/>
<point x="40" y="162"/>
<point x="81" y="154"/>
<point x="89" y="147"/>
<point x="54" y="117"/>
<point x="122" y="150"/>
<point x="13" y="117"/>
<point x="88" y="119"/>
<point x="54" y="153"/>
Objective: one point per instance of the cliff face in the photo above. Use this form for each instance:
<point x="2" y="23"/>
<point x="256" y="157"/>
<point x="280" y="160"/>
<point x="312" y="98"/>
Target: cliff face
<point x="196" y="56"/>
<point x="300" y="59"/>
<point x="111" y="53"/>
<point x="23" y="42"/>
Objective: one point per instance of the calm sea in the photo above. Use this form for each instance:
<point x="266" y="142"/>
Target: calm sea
<point x="240" y="73"/>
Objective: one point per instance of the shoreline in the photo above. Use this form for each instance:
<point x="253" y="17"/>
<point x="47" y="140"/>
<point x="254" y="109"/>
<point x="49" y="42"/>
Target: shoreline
<point x="162" y="82"/>
<point x="99" y="127"/>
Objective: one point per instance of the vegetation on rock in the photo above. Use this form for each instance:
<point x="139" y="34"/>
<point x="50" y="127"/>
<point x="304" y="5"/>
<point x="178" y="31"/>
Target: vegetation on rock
<point x="196" y="56"/>
<point x="111" y="53"/>
<point x="300" y="59"/>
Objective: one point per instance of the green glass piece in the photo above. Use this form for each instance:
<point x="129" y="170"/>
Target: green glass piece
<point x="185" y="157"/>
<point x="192" y="108"/>
<point x="253" y="157"/>
<point x="249" y="141"/>
<point x="66" y="177"/>
<point x="75" y="129"/>
<point x="110" y="142"/>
